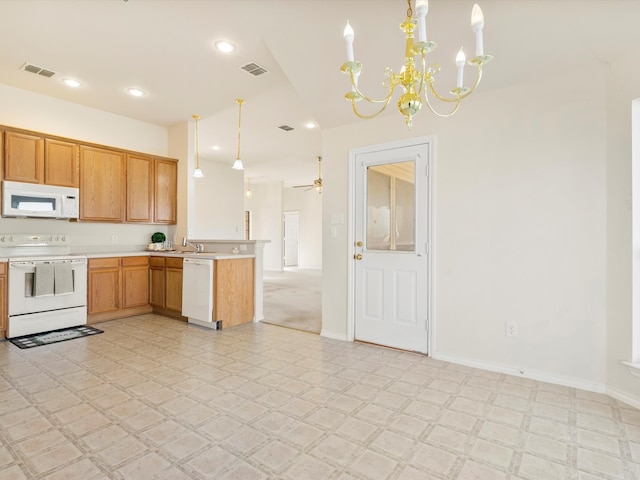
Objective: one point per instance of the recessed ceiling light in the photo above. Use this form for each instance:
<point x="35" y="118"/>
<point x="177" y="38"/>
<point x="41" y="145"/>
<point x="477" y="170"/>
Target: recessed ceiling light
<point x="136" y="92"/>
<point x="216" y="147"/>
<point x="70" y="82"/>
<point x="310" y="125"/>
<point x="225" y="46"/>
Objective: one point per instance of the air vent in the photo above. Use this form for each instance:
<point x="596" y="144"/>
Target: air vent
<point x="27" y="67"/>
<point x="286" y="128"/>
<point x="254" y="69"/>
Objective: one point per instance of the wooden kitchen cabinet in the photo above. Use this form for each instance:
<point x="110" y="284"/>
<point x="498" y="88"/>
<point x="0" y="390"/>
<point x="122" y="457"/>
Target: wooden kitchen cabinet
<point x="152" y="187"/>
<point x="139" y="189"/>
<point x="156" y="282"/>
<point x="117" y="288"/>
<point x="234" y="291"/>
<point x="165" y="191"/>
<point x="3" y="299"/>
<point x="165" y="284"/>
<point x="102" y="185"/>
<point x="33" y="158"/>
<point x="23" y="157"/>
<point x="135" y="281"/>
<point x="173" y="285"/>
<point x="103" y="285"/>
<point x="61" y="163"/>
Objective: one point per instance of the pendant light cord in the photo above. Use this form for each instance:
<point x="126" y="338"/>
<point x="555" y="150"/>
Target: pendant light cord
<point x="239" y="101"/>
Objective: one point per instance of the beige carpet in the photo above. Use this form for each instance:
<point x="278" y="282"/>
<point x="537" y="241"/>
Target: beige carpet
<point x="293" y="298"/>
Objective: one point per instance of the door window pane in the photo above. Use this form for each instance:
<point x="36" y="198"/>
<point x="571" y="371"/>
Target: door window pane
<point x="391" y="223"/>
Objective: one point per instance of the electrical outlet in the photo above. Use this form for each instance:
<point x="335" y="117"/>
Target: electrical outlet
<point x="243" y="247"/>
<point x="114" y="238"/>
<point x="511" y="329"/>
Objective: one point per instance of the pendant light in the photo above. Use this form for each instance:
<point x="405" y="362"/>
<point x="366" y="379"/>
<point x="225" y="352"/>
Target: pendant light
<point x="249" y="194"/>
<point x="237" y="165"/>
<point x="197" y="173"/>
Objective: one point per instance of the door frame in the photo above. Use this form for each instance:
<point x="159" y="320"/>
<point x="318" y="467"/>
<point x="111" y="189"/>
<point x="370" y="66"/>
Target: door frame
<point x="431" y="164"/>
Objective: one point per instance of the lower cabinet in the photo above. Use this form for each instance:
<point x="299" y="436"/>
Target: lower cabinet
<point x="165" y="285"/>
<point x="117" y="287"/>
<point x="233" y="291"/>
<point x="3" y="299"/>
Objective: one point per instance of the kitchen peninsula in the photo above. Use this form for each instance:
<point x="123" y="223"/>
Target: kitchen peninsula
<point x="127" y="283"/>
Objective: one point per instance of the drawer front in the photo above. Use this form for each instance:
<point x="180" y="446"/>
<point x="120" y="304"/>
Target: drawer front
<point x="3" y="268"/>
<point x="173" y="262"/>
<point x="156" y="261"/>
<point x="111" y="262"/>
<point x="134" y="261"/>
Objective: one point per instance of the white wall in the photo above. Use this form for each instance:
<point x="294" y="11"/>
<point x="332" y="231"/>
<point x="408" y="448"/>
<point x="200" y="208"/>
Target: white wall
<point x="520" y="222"/>
<point x="217" y="211"/>
<point x="309" y="206"/>
<point x="266" y="216"/>
<point x="624" y="87"/>
<point x="39" y="113"/>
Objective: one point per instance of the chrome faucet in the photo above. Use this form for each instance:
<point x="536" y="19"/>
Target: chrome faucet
<point x="199" y="246"/>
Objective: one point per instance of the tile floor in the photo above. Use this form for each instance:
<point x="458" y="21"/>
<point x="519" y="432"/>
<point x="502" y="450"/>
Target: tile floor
<point x="156" y="398"/>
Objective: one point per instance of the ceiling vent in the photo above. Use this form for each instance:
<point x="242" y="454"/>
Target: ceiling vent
<point x="286" y="128"/>
<point x="27" y="67"/>
<point x="254" y="69"/>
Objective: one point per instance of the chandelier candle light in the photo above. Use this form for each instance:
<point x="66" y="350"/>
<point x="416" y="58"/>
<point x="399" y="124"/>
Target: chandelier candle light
<point x="414" y="82"/>
<point x="237" y="165"/>
<point x="197" y="173"/>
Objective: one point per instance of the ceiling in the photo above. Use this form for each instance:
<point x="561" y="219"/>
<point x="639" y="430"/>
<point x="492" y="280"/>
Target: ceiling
<point x="165" y="47"/>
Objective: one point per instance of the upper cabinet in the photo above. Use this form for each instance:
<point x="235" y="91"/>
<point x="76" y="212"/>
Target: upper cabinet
<point x="33" y="158"/>
<point x="61" y="163"/>
<point x="139" y="189"/>
<point x="165" y="191"/>
<point x="115" y="185"/>
<point x="102" y="185"/>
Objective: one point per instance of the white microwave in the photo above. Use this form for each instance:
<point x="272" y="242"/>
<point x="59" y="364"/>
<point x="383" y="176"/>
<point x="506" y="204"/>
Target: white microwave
<point x="40" y="201"/>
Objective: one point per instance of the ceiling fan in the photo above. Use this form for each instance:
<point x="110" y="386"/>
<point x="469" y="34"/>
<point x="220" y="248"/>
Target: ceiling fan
<point x="317" y="183"/>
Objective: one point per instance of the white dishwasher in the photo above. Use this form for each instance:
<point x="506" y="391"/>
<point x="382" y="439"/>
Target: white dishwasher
<point x="197" y="291"/>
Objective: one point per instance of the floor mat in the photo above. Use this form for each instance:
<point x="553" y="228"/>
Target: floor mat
<point x="55" y="336"/>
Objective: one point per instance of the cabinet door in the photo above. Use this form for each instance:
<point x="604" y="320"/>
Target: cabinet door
<point x="139" y="189"/>
<point x="173" y="278"/>
<point x="102" y="185"/>
<point x="156" y="286"/>
<point x="135" y="281"/>
<point x="61" y="163"/>
<point x="233" y="291"/>
<point x="24" y="157"/>
<point x="3" y="297"/>
<point x="104" y="290"/>
<point x="165" y="191"/>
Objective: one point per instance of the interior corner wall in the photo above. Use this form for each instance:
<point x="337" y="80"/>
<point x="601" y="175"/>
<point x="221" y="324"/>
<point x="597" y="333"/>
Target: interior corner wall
<point x="309" y="205"/>
<point x="217" y="211"/>
<point x="623" y="89"/>
<point x="519" y="218"/>
<point x="266" y="217"/>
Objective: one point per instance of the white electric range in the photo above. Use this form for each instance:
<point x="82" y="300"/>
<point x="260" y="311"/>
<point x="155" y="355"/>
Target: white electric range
<point x="47" y="286"/>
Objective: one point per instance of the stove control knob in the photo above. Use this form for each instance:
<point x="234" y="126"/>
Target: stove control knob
<point x="2" y="238"/>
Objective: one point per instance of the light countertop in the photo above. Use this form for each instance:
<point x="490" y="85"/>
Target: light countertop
<point x="167" y="253"/>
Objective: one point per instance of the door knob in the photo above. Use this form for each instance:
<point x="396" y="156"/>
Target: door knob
<point x="358" y="256"/>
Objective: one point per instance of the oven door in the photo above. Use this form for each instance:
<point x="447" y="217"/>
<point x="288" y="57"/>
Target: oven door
<point x="45" y="285"/>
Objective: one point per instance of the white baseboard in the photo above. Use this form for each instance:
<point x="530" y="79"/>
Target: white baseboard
<point x="623" y="397"/>
<point x="333" y="335"/>
<point x="532" y="375"/>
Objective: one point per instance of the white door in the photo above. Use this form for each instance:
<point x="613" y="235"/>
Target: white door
<point x="291" y="234"/>
<point x="391" y="263"/>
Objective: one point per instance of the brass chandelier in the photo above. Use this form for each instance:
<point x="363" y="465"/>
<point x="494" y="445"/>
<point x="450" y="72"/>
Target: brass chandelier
<point x="414" y="82"/>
